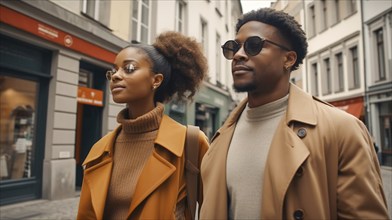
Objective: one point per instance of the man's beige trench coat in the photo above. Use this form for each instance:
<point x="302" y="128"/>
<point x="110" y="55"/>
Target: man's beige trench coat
<point x="321" y="165"/>
<point x="161" y="184"/>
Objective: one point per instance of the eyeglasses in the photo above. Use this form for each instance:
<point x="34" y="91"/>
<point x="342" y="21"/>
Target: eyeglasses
<point x="128" y="69"/>
<point x="252" y="46"/>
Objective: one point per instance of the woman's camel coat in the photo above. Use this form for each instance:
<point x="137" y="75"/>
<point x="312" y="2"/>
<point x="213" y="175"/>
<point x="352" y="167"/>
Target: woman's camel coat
<point x="321" y="165"/>
<point x="161" y="184"/>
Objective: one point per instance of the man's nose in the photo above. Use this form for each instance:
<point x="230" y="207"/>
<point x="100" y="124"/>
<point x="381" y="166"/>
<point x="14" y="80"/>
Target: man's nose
<point x="240" y="54"/>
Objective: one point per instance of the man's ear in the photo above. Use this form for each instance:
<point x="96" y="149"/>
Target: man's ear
<point x="291" y="58"/>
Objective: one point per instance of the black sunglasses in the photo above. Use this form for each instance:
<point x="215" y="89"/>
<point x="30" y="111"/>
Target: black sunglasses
<point x="252" y="46"/>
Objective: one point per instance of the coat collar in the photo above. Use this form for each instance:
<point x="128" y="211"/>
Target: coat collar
<point x="300" y="108"/>
<point x="171" y="136"/>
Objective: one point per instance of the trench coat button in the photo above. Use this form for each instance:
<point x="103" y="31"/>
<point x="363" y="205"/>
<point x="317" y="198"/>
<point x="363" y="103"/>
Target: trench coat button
<point x="301" y="132"/>
<point x="298" y="214"/>
<point x="300" y="171"/>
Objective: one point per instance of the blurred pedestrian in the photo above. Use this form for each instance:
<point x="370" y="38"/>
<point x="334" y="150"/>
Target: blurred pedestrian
<point x="137" y="170"/>
<point x="283" y="154"/>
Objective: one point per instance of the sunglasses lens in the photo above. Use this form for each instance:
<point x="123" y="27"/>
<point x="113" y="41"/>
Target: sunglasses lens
<point x="253" y="45"/>
<point x="229" y="49"/>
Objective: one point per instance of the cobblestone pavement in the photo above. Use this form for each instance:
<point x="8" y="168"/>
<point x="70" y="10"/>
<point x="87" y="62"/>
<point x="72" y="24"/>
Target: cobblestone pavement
<point x="41" y="209"/>
<point x="66" y="209"/>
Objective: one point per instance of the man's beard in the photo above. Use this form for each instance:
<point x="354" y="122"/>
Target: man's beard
<point x="244" y="88"/>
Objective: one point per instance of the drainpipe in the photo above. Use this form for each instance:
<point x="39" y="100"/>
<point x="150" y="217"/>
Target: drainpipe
<point x="306" y="59"/>
<point x="368" y="118"/>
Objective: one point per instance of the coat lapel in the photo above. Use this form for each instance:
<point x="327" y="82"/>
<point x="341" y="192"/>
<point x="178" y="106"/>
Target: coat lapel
<point x="98" y="176"/>
<point x="157" y="170"/>
<point x="98" y="179"/>
<point x="285" y="156"/>
<point x="287" y="152"/>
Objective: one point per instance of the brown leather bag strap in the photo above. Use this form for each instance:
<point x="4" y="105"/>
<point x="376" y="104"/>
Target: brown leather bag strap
<point x="191" y="167"/>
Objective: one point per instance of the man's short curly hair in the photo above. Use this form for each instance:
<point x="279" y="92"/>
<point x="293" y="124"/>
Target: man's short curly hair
<point x="289" y="28"/>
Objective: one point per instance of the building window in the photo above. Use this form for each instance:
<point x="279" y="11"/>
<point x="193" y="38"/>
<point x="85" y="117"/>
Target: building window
<point x="140" y="20"/>
<point x="204" y="36"/>
<point x="218" y="58"/>
<point x="315" y="80"/>
<point x="336" y="8"/>
<point x="180" y="15"/>
<point x="339" y="72"/>
<point x="327" y="85"/>
<point x="354" y="81"/>
<point x="379" y="36"/>
<point x="98" y="10"/>
<point x="324" y="16"/>
<point x="312" y="21"/>
<point x="351" y="6"/>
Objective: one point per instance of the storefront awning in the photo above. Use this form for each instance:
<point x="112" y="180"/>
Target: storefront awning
<point x="353" y="108"/>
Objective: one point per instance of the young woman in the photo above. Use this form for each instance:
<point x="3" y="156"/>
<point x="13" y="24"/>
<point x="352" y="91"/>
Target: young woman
<point x="137" y="171"/>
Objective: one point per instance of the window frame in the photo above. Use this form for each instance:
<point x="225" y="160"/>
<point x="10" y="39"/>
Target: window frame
<point x="314" y="78"/>
<point x="339" y="71"/>
<point x="327" y="76"/>
<point x="137" y="21"/>
<point x="354" y="69"/>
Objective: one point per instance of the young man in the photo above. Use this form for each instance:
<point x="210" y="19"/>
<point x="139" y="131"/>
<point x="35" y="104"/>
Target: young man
<point x="283" y="154"/>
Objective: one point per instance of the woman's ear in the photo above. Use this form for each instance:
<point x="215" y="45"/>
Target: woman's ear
<point x="157" y="80"/>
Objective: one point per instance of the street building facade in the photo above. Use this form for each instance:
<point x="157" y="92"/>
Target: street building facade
<point x="377" y="33"/>
<point x="349" y="60"/>
<point x="55" y="100"/>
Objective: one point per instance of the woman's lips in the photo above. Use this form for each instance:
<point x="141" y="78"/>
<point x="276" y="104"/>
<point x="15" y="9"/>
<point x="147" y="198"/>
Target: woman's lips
<point x="117" y="88"/>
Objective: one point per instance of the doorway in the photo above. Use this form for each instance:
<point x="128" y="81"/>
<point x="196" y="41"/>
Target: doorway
<point x="88" y="131"/>
<point x="92" y="83"/>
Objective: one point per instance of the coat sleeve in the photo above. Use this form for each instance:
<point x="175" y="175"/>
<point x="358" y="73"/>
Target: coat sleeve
<point x="85" y="210"/>
<point x="360" y="192"/>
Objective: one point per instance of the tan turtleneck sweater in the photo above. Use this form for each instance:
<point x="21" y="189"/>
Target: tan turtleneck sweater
<point x="132" y="148"/>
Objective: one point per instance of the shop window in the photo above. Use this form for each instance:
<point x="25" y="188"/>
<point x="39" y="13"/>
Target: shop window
<point x="386" y="133"/>
<point x="18" y="98"/>
<point x="206" y="118"/>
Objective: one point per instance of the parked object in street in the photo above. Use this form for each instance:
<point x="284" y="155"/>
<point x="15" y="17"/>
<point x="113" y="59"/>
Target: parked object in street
<point x="138" y="170"/>
<point x="283" y="154"/>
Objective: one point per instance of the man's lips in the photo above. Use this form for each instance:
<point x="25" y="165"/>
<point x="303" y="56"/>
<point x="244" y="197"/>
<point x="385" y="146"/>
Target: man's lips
<point x="240" y="69"/>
